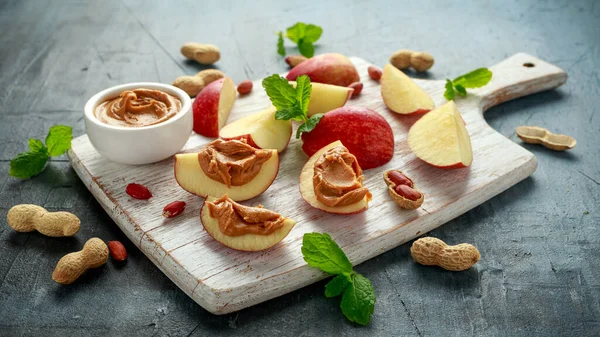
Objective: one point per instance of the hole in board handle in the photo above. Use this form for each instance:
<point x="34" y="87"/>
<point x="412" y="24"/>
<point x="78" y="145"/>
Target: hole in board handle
<point x="528" y="65"/>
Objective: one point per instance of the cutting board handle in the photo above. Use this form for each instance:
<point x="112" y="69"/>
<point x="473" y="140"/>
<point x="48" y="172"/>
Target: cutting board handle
<point x="517" y="76"/>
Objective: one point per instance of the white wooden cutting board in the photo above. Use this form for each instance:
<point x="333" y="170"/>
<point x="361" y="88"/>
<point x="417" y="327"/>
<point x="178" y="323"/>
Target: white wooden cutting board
<point x="223" y="280"/>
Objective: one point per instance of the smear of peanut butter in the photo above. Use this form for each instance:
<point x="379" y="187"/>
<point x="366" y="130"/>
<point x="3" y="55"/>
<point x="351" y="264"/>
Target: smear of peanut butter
<point x="235" y="219"/>
<point x="232" y="162"/>
<point x="137" y="108"/>
<point x="337" y="178"/>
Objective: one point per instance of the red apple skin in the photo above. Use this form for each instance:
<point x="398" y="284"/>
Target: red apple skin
<point x="365" y="133"/>
<point x="206" y="109"/>
<point x="331" y="68"/>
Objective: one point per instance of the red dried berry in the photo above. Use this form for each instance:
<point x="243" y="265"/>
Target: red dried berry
<point x="138" y="191"/>
<point x="374" y="73"/>
<point x="117" y="250"/>
<point x="174" y="209"/>
<point x="357" y="86"/>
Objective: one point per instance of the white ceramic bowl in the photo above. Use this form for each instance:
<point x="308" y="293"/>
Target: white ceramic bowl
<point x="139" y="145"/>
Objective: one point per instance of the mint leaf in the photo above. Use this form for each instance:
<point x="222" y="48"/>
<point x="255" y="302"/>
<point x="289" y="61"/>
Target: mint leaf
<point x="336" y="286"/>
<point x="312" y="33"/>
<point x="306" y="48"/>
<point x="309" y="125"/>
<point x="59" y="139"/>
<point x="280" y="47"/>
<point x="294" y="112"/>
<point x="474" y="79"/>
<point x="303" y="91"/>
<point x="280" y="91"/>
<point x="296" y="32"/>
<point x="449" y="93"/>
<point x="358" y="301"/>
<point x="320" y="251"/>
<point x="35" y="145"/>
<point x="28" y="164"/>
<point x="460" y="90"/>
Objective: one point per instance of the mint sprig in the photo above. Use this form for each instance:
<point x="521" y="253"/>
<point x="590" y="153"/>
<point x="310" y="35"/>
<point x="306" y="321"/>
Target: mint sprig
<point x="28" y="164"/>
<point x="474" y="79"/>
<point x="292" y="103"/>
<point x="303" y="35"/>
<point x="358" y="296"/>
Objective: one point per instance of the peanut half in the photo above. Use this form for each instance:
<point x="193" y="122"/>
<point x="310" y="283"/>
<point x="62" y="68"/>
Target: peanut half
<point x="538" y="135"/>
<point x="28" y="218"/>
<point x="201" y="53"/>
<point x="402" y="189"/>
<point x="71" y="266"/>
<point x="430" y="251"/>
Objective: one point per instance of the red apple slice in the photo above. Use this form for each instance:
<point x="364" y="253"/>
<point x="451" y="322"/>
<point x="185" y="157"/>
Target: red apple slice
<point x="401" y="94"/>
<point x="307" y="189"/>
<point x="332" y="68"/>
<point x="191" y="177"/>
<point x="246" y="242"/>
<point x="326" y="97"/>
<point x="212" y="107"/>
<point x="364" y="132"/>
<point x="441" y="139"/>
<point x="260" y="130"/>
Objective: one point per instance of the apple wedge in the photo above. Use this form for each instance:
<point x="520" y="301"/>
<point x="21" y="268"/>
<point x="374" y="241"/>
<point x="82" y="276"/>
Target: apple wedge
<point x="246" y="242"/>
<point x="307" y="189"/>
<point x="190" y="176"/>
<point x="326" y="97"/>
<point x="260" y="130"/>
<point x="331" y="68"/>
<point x="441" y="139"/>
<point x="401" y="94"/>
<point x="212" y="106"/>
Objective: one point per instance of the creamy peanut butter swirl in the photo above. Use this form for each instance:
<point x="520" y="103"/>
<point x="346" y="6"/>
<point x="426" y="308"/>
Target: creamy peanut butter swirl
<point x="235" y="219"/>
<point x="337" y="178"/>
<point x="232" y="162"/>
<point x="137" y="108"/>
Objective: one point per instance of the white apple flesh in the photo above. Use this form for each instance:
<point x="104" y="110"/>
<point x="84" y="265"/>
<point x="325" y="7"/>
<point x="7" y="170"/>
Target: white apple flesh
<point x="401" y="94"/>
<point x="326" y="97"/>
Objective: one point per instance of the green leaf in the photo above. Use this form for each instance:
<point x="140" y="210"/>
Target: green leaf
<point x="303" y="91"/>
<point x="460" y="90"/>
<point x="36" y="145"/>
<point x="320" y="251"/>
<point x="59" y="139"/>
<point x="312" y="33"/>
<point x="475" y="79"/>
<point x="449" y="93"/>
<point x="309" y="125"/>
<point x="293" y="112"/>
<point x="306" y="48"/>
<point x="358" y="301"/>
<point x="336" y="286"/>
<point x="28" y="164"/>
<point x="296" y="32"/>
<point x="280" y="47"/>
<point x="280" y="91"/>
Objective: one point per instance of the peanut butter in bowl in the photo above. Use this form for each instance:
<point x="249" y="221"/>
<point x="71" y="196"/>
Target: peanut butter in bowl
<point x="138" y="108"/>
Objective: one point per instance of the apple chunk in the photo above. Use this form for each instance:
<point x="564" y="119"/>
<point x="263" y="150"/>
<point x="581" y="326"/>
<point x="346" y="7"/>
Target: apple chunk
<point x="332" y="68"/>
<point x="246" y="242"/>
<point x="441" y="139"/>
<point x="212" y="107"/>
<point x="365" y="133"/>
<point x="190" y="176"/>
<point x="307" y="189"/>
<point x="326" y="97"/>
<point x="401" y="94"/>
<point x="260" y="130"/>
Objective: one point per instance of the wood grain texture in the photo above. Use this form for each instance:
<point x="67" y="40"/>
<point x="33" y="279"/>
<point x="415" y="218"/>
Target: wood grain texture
<point x="223" y="280"/>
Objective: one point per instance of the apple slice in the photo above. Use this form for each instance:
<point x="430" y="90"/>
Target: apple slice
<point x="326" y="97"/>
<point x="440" y="138"/>
<point x="401" y="94"/>
<point x="190" y="176"/>
<point x="364" y="132"/>
<point x="260" y="130"/>
<point x="212" y="107"/>
<point x="246" y="242"/>
<point x="331" y="68"/>
<point x="307" y="189"/>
